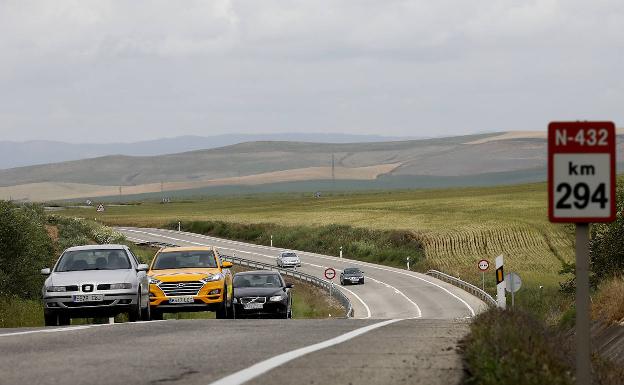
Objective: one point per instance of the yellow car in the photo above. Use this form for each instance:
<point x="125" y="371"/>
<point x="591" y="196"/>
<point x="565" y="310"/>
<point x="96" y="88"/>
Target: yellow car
<point x="186" y="279"/>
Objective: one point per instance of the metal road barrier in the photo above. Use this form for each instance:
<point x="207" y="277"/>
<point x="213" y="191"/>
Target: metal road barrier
<point x="470" y="288"/>
<point x="324" y="284"/>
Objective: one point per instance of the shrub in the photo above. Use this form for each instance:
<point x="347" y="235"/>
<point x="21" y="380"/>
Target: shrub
<point x="506" y="347"/>
<point x="25" y="248"/>
<point x="387" y="247"/>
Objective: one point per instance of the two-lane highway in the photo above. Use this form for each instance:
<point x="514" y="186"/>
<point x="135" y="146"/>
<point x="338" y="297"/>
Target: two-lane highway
<point x="408" y="329"/>
<point x="388" y="292"/>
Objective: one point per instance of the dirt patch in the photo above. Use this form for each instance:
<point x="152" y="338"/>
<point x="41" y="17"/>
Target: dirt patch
<point x="53" y="233"/>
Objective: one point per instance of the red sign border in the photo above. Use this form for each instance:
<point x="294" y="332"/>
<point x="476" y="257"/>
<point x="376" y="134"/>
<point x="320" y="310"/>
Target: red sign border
<point x="328" y="270"/>
<point x="484" y="260"/>
<point x="552" y="126"/>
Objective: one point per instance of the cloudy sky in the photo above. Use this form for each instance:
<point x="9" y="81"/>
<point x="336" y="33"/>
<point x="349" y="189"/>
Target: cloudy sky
<point x="88" y="71"/>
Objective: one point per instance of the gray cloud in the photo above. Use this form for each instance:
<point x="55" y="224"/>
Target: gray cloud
<point x="118" y="70"/>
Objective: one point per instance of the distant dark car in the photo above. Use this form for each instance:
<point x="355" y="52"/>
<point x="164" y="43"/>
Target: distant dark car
<point x="352" y="275"/>
<point x="261" y="294"/>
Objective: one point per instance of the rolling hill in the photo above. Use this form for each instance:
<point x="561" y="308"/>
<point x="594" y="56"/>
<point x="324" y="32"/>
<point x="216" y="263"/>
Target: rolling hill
<point x="498" y="158"/>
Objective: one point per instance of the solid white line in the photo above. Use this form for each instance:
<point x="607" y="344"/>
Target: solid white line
<point x="262" y="367"/>
<point x="374" y="266"/>
<point x="368" y="311"/>
<point x="67" y="329"/>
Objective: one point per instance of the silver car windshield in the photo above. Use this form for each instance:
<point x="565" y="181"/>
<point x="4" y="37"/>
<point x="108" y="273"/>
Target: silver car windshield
<point x="185" y="259"/>
<point x="81" y="260"/>
<point x="257" y="280"/>
<point x="289" y="255"/>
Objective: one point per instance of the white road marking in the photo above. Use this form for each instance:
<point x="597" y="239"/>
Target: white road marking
<point x="397" y="271"/>
<point x="272" y="257"/>
<point x="75" y="328"/>
<point x="262" y="367"/>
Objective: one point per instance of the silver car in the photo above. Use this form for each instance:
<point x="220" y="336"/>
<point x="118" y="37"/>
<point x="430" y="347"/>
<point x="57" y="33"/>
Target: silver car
<point x="95" y="281"/>
<point x="288" y="259"/>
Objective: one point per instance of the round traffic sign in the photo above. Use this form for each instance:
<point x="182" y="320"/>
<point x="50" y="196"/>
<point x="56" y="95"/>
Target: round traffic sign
<point x="484" y="265"/>
<point x="513" y="283"/>
<point x="330" y="273"/>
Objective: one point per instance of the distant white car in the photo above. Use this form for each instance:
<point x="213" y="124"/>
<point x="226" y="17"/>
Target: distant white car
<point x="288" y="259"/>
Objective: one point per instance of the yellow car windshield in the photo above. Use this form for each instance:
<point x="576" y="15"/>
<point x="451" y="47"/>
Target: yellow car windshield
<point x="185" y="259"/>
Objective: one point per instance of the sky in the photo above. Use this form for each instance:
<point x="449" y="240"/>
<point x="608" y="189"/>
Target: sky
<point x="111" y="71"/>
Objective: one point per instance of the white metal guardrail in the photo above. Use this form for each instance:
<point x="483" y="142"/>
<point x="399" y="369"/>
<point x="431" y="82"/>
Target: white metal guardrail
<point x="470" y="288"/>
<point x="324" y="284"/>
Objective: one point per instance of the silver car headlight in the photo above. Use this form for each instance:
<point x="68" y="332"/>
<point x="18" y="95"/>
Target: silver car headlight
<point x="212" y="278"/>
<point x="154" y="281"/>
<point x="277" y="298"/>
<point x="120" y="286"/>
<point x="56" y="289"/>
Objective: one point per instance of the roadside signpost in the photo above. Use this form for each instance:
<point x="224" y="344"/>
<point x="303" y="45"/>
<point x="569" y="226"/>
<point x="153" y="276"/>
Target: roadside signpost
<point x="581" y="190"/>
<point x="500" y="283"/>
<point x="100" y="208"/>
<point x="512" y="285"/>
<point x="483" y="265"/>
<point x="330" y="273"/>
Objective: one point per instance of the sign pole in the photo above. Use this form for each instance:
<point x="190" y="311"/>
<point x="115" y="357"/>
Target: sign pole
<point x="483" y="278"/>
<point x="583" y="340"/>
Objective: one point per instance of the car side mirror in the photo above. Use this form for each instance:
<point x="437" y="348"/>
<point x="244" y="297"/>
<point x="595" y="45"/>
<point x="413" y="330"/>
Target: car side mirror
<point x="142" y="267"/>
<point x="45" y="271"/>
<point x="226" y="265"/>
<point x="289" y="286"/>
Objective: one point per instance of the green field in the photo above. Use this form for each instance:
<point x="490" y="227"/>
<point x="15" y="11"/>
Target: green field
<point x="456" y="227"/>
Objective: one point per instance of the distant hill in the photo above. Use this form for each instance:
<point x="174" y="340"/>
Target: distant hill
<point x="497" y="158"/>
<point x="19" y="154"/>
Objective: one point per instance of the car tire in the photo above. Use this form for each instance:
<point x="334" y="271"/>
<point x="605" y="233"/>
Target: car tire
<point x="50" y="319"/>
<point x="362" y="281"/>
<point x="146" y="313"/>
<point x="342" y="282"/>
<point x="134" y="314"/>
<point x="64" y="320"/>
<point x="222" y="311"/>
<point x="156" y="315"/>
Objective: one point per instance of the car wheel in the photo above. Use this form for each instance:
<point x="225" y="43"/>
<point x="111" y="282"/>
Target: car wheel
<point x="362" y="281"/>
<point x="146" y="313"/>
<point x="134" y="314"/>
<point x="222" y="311"/>
<point x="342" y="282"/>
<point x="50" y="319"/>
<point x="64" y="320"/>
<point x="156" y="315"/>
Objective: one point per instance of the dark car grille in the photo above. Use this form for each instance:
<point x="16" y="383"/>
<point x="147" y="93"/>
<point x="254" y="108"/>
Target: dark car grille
<point x="173" y="289"/>
<point x="246" y="300"/>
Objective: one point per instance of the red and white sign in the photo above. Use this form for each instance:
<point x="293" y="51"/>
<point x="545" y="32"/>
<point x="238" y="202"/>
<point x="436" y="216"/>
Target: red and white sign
<point x="330" y="273"/>
<point x="581" y="172"/>
<point x="484" y="265"/>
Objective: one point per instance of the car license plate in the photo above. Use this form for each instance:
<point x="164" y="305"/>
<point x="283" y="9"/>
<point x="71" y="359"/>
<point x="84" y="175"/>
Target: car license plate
<point x="253" y="305"/>
<point x="88" y="297"/>
<point x="355" y="279"/>
<point x="188" y="299"/>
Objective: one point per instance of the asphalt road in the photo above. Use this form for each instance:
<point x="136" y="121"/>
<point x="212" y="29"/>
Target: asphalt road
<point x="206" y="351"/>
<point x="406" y="331"/>
<point x="387" y="293"/>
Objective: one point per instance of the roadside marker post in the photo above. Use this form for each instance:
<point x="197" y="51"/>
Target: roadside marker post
<point x="271" y="240"/>
<point x="581" y="190"/>
<point x="500" y="283"/>
<point x="408" y="261"/>
<point x="179" y="226"/>
<point x="340" y="251"/>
